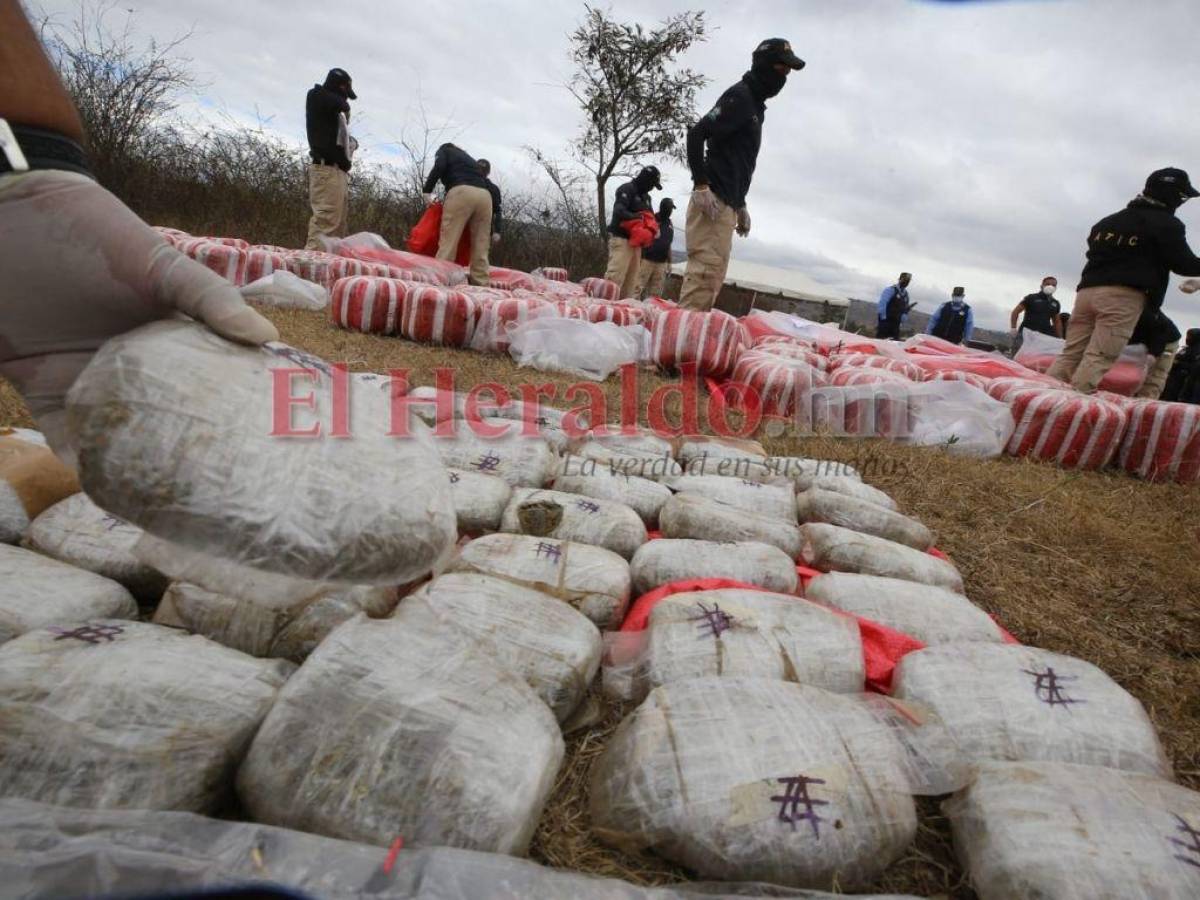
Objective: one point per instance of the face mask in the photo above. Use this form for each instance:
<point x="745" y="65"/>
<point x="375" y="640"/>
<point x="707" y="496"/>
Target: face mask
<point x="769" y="80"/>
<point x="958" y="301"/>
<point x="1048" y="290"/>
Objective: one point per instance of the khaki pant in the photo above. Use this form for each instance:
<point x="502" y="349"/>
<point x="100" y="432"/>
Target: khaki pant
<point x="651" y="278"/>
<point x="623" y="262"/>
<point x="1101" y="324"/>
<point x="709" y="242"/>
<point x="327" y="194"/>
<point x="467" y="207"/>
<point x="1152" y="387"/>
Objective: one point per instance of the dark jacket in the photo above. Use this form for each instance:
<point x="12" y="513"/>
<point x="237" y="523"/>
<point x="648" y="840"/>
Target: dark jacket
<point x="631" y="201"/>
<point x="453" y="166"/>
<point x="722" y="148"/>
<point x="1138" y="247"/>
<point x="660" y="250"/>
<point x="1183" y="382"/>
<point x="1155" y="331"/>
<point x="893" y="304"/>
<point x="952" y="324"/>
<point x="321" y="108"/>
<point x="1040" y="314"/>
<point x="497" y="220"/>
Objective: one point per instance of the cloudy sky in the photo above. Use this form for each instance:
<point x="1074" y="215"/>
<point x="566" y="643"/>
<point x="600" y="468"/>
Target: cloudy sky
<point x="971" y="143"/>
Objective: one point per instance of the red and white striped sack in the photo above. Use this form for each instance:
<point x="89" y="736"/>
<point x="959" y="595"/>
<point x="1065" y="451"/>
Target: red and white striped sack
<point x="261" y="262"/>
<point x="782" y="386"/>
<point x="345" y="267"/>
<point x="617" y="313"/>
<point x="969" y="377"/>
<point x="509" y="279"/>
<point x="239" y="243"/>
<point x="496" y="314"/>
<point x="785" y="349"/>
<point x="551" y="273"/>
<point x="1162" y="441"/>
<point x="850" y="376"/>
<point x="1003" y="389"/>
<point x="369" y="304"/>
<point x="871" y="361"/>
<point x="571" y="309"/>
<point x="712" y="340"/>
<point x="1075" y="430"/>
<point x="415" y="275"/>
<point x="173" y="235"/>
<point x="870" y="410"/>
<point x="438" y="315"/>
<point x="227" y="261"/>
<point x="311" y="265"/>
<point x="602" y="288"/>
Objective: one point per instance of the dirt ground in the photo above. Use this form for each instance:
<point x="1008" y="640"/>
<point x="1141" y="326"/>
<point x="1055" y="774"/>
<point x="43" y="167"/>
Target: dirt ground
<point x="1096" y="565"/>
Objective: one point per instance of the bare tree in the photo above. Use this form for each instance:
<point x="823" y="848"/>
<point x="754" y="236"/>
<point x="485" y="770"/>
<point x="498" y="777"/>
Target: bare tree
<point x="124" y="88"/>
<point x="637" y="102"/>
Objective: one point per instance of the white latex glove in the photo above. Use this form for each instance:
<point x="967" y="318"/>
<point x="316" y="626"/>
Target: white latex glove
<point x="428" y="198"/>
<point x="495" y="238"/>
<point x="1190" y="286"/>
<point x="743" y="222"/>
<point x="78" y="268"/>
<point x="706" y="201"/>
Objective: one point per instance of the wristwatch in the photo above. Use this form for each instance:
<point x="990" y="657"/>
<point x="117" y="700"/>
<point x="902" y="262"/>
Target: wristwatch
<point x="24" y="149"/>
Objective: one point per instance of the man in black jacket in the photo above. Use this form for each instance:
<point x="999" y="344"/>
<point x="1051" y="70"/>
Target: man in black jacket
<point x="1131" y="255"/>
<point x="468" y="205"/>
<point x="656" y="259"/>
<point x="1183" y="384"/>
<point x="326" y="119"/>
<point x="497" y="221"/>
<point x="624" y="247"/>
<point x="893" y="308"/>
<point x="1042" y="312"/>
<point x="722" y="150"/>
<point x="1160" y="337"/>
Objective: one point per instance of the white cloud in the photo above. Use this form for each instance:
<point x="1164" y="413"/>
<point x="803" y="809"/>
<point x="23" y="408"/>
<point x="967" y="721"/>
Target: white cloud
<point x="970" y="143"/>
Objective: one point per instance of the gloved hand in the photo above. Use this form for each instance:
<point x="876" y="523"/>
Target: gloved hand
<point x="1190" y="286"/>
<point x="428" y="198"/>
<point x="706" y="201"/>
<point x="743" y="222"/>
<point x="495" y="237"/>
<point x="79" y="267"/>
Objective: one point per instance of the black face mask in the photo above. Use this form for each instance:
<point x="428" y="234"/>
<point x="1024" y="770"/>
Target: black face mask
<point x="1170" y="197"/>
<point x="766" y="81"/>
<point x="644" y="183"/>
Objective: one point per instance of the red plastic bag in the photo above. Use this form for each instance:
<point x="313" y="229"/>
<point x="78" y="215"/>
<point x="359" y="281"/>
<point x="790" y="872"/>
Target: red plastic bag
<point x="426" y="234"/>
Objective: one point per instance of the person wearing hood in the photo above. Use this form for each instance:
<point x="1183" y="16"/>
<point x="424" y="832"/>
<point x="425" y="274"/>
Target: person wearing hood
<point x="467" y="207"/>
<point x="894" y="308"/>
<point x="1042" y="312"/>
<point x="1160" y="336"/>
<point x="631" y="229"/>
<point x="486" y="168"/>
<point x="954" y="321"/>
<point x="656" y="259"/>
<point x="1131" y="255"/>
<point x="330" y="146"/>
<point x="1183" y="383"/>
<point x="722" y="150"/>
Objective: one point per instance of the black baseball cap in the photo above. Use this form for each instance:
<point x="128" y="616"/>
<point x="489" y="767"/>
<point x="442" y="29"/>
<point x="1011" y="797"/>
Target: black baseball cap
<point x="666" y="205"/>
<point x="1172" y="178"/>
<point x="958" y="292"/>
<point x="341" y="76"/>
<point x="652" y="172"/>
<point x="777" y="50"/>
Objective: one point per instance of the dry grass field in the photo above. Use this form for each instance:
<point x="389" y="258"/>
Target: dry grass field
<point x="1096" y="565"/>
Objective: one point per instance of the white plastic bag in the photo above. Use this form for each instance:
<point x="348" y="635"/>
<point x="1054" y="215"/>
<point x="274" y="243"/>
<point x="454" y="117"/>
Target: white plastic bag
<point x="958" y="417"/>
<point x="111" y="713"/>
<point x="283" y="289"/>
<point x="38" y="591"/>
<point x="694" y="516"/>
<point x="775" y="500"/>
<point x="176" y="432"/>
<point x="593" y="580"/>
<point x="834" y="508"/>
<point x="479" y="501"/>
<point x="831" y="548"/>
<point x="78" y="532"/>
<point x="545" y="641"/>
<point x="665" y="560"/>
<point x="745" y="778"/>
<point x="1031" y="830"/>
<point x="591" y="350"/>
<point x="643" y="496"/>
<point x="32" y="479"/>
<point x="571" y="517"/>
<point x="736" y="633"/>
<point x="402" y="727"/>
<point x="1005" y="701"/>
